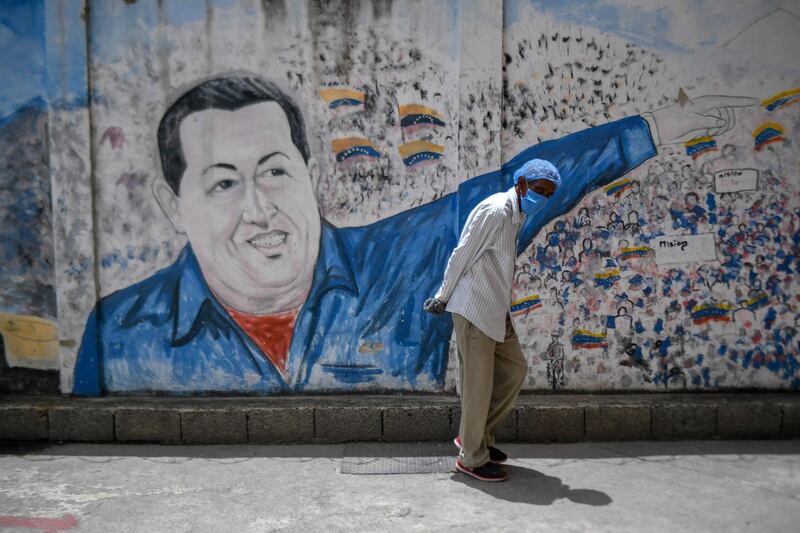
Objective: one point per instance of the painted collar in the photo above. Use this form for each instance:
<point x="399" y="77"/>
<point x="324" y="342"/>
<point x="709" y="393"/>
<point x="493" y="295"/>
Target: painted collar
<point x="333" y="270"/>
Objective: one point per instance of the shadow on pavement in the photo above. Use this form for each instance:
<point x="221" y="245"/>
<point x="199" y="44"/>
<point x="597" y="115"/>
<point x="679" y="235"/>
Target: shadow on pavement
<point x="526" y="485"/>
<point x="582" y="450"/>
<point x="211" y="451"/>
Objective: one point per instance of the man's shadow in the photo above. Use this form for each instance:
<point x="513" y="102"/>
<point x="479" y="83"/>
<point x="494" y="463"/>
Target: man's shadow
<point x="526" y="485"/>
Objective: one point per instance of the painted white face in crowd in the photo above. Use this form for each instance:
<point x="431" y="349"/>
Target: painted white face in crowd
<point x="247" y="205"/>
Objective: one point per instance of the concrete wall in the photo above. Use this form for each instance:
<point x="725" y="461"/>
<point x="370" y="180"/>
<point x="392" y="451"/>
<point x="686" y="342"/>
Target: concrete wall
<point x="667" y="262"/>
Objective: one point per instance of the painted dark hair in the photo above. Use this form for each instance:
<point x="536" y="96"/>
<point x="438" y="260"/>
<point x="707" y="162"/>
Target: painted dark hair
<point x="228" y="93"/>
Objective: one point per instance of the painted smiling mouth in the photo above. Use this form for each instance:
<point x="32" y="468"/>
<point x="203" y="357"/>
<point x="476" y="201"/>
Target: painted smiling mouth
<point x="268" y="242"/>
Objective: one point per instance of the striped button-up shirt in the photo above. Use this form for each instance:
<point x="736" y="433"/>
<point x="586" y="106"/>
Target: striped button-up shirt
<point x="479" y="273"/>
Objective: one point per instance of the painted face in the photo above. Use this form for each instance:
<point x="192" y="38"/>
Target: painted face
<point x="248" y="207"/>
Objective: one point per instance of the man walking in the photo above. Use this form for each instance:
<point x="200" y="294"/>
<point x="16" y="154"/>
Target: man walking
<point x="477" y="291"/>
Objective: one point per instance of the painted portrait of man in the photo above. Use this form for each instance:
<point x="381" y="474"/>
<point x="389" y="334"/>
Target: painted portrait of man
<point x="267" y="296"/>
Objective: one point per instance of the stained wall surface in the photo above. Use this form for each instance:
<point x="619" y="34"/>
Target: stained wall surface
<point x="244" y="197"/>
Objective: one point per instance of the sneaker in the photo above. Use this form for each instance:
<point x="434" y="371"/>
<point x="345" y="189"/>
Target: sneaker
<point x="496" y="455"/>
<point x="485" y="472"/>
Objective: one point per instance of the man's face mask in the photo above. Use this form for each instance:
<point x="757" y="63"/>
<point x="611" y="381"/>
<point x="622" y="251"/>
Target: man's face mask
<point x="532" y="202"/>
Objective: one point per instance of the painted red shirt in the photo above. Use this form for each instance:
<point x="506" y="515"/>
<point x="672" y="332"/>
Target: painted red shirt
<point x="272" y="333"/>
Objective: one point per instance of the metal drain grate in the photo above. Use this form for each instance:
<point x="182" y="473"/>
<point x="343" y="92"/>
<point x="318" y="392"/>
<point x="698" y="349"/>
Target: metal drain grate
<point x="398" y="458"/>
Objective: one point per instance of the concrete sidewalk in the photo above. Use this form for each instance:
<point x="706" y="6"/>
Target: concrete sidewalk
<point x="332" y="419"/>
<point x="646" y="486"/>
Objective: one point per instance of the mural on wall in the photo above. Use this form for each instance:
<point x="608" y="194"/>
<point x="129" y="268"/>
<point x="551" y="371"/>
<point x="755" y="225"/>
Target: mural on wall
<point x="28" y="337"/>
<point x="269" y="297"/>
<point x="682" y="274"/>
<point x="277" y="187"/>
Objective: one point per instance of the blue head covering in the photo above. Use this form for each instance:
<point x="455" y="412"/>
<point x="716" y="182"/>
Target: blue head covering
<point x="538" y="169"/>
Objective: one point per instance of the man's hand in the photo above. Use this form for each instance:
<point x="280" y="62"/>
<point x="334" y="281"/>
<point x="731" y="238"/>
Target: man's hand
<point x="434" y="305"/>
<point x="704" y="116"/>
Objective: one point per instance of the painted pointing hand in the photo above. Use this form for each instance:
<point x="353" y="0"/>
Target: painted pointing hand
<point x="704" y="116"/>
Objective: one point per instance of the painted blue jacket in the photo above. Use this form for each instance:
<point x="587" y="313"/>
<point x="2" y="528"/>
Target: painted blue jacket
<point x="362" y="326"/>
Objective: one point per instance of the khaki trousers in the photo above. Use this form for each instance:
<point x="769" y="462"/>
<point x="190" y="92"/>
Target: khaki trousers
<point x="491" y="375"/>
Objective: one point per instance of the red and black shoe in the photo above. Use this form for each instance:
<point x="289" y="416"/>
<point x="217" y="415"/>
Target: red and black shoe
<point x="485" y="472"/>
<point x="496" y="455"/>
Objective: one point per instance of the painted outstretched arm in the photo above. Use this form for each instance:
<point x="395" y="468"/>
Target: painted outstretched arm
<point x="586" y="160"/>
<point x="594" y="157"/>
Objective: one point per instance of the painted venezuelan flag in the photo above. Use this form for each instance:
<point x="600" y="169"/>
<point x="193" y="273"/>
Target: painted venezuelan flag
<point x="584" y="338"/>
<point x="415" y="114"/>
<point x="616" y="188"/>
<point x="523" y="305"/>
<point x="353" y="147"/>
<point x="757" y="302"/>
<point x="702" y="145"/>
<point x="417" y="152"/>
<point x="635" y="252"/>
<point x="341" y="96"/>
<point x="784" y="99"/>
<point x="711" y="312"/>
<point x="767" y="133"/>
<point x="607" y="279"/>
